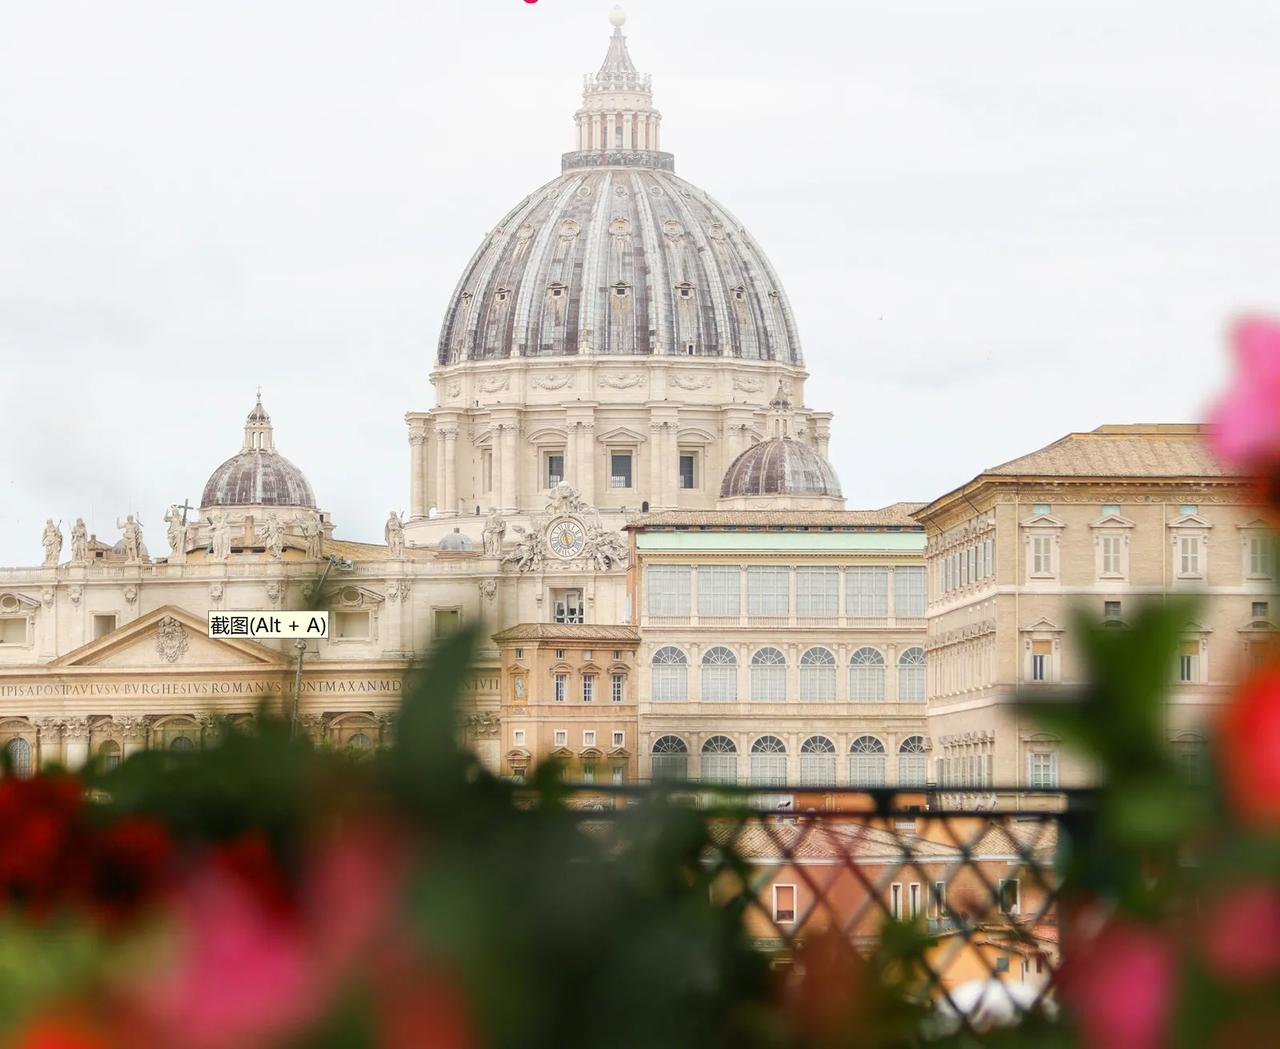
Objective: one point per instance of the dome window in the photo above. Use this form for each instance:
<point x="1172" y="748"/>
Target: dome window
<point x="620" y="290"/>
<point x="685" y="291"/>
<point x="740" y="293"/>
<point x="503" y="293"/>
<point x="556" y="290"/>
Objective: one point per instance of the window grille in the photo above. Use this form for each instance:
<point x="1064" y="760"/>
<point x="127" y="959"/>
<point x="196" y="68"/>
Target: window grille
<point x="867" y="591"/>
<point x="909" y="591"/>
<point x="670" y="758"/>
<point x="768" y="762"/>
<point x="615" y="688"/>
<point x="817" y="762"/>
<point x="719" y="760"/>
<point x="719" y="675"/>
<point x="19" y="751"/>
<point x="719" y="590"/>
<point x="768" y="590"/>
<point x="912" y="762"/>
<point x="768" y="676"/>
<point x="817" y="676"/>
<point x="866" y="762"/>
<point x="866" y="676"/>
<point x="911" y="676"/>
<point x="670" y="669"/>
<point x="669" y="589"/>
<point x="817" y="592"/>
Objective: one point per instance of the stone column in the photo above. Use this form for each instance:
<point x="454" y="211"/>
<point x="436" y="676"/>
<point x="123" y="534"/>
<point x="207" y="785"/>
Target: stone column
<point x="48" y="748"/>
<point x="450" y="507"/>
<point x="417" y="472"/>
<point x="76" y="742"/>
<point x="508" y="434"/>
<point x="608" y="131"/>
<point x="595" y="131"/>
<point x="439" y="485"/>
<point x="655" y="464"/>
<point x="628" y="121"/>
<point x="133" y="732"/>
<point x="495" y="466"/>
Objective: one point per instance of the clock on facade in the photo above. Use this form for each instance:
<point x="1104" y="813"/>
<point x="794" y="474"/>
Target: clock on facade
<point x="566" y="537"/>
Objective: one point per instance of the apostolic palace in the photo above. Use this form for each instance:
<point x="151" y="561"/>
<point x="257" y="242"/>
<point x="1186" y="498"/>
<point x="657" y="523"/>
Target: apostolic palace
<point x="622" y="480"/>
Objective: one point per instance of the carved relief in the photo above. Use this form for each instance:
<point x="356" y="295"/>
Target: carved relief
<point x="131" y="594"/>
<point x="695" y="381"/>
<point x="748" y="384"/>
<point x="75" y="594"/>
<point x="672" y="230"/>
<point x="569" y="531"/>
<point x="494" y="383"/>
<point x="715" y="231"/>
<point x="171" y="639"/>
<point x="621" y="380"/>
<point x="553" y="381"/>
<point x="524" y="233"/>
<point x="488" y="589"/>
<point x="453" y="387"/>
<point x="483" y="726"/>
<point x="215" y="592"/>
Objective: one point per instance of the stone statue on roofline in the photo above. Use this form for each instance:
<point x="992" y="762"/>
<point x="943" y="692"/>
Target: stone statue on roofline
<point x="273" y="536"/>
<point x="495" y="528"/>
<point x="132" y="529"/>
<point x="52" y="542"/>
<point x="394" y="535"/>
<point x="220" y="537"/>
<point x="79" y="542"/>
<point x="311" y="536"/>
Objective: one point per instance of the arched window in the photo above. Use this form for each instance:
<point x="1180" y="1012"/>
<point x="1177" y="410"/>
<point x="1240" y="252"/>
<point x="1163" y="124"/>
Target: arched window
<point x="19" y="752"/>
<point x="866" y="762"/>
<point x="912" y="762"/>
<point x="181" y="744"/>
<point x="911" y="676"/>
<point x="670" y="758"/>
<point x="670" y="675"/>
<point x="817" y="762"/>
<point x="719" y="760"/>
<point x="866" y="676"/>
<point x="109" y="755"/>
<point x="818" y="676"/>
<point x="359" y="742"/>
<point x="719" y="675"/>
<point x="768" y="676"/>
<point x="1190" y="753"/>
<point x="768" y="761"/>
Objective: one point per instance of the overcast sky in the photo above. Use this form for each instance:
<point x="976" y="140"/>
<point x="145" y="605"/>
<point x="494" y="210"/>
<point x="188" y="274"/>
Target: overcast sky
<point x="997" y="221"/>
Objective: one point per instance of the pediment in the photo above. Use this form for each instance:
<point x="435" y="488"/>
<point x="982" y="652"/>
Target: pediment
<point x="1043" y="521"/>
<point x="1112" y="521"/>
<point x="621" y="435"/>
<point x="12" y="603"/>
<point x="553" y="435"/>
<point x="1192" y="627"/>
<point x="1256" y="525"/>
<point x="1189" y="521"/>
<point x="696" y="435"/>
<point x="169" y="637"/>
<point x="1042" y="626"/>
<point x="351" y="595"/>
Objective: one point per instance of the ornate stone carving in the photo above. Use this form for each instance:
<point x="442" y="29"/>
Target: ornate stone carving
<point x="398" y="590"/>
<point x="569" y="229"/>
<point x="672" y="230"/>
<point x="696" y="381"/>
<point x="393" y="533"/>
<point x="495" y="528"/>
<point x="312" y="536"/>
<point x="75" y="727"/>
<point x="417" y="433"/>
<point x="48" y="726"/>
<point x="494" y="383"/>
<point x="488" y="589"/>
<point x="52" y="542"/>
<point x="314" y="725"/>
<point x="621" y="380"/>
<point x="132" y="536"/>
<point x="215" y="592"/>
<point x="579" y="536"/>
<point x="748" y="383"/>
<point x="131" y="593"/>
<point x="524" y="233"/>
<point x="79" y="542"/>
<point x="483" y="726"/>
<point x="171" y="639"/>
<point x="275" y="591"/>
<point x="273" y="536"/>
<point x="75" y="593"/>
<point x="46" y="596"/>
<point x="715" y="231"/>
<point x="553" y="381"/>
<point x="221" y="537"/>
<point x="453" y="387"/>
<point x="131" y="726"/>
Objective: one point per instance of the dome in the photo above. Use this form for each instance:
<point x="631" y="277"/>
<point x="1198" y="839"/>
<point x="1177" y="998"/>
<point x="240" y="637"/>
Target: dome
<point x="781" y="466"/>
<point x="258" y="475"/>
<point x="123" y="551"/>
<point x="618" y="255"/>
<point x="455" y="540"/>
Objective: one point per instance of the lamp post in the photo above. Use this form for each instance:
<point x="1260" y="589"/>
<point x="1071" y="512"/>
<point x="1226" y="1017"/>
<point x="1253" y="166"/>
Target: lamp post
<point x="343" y="565"/>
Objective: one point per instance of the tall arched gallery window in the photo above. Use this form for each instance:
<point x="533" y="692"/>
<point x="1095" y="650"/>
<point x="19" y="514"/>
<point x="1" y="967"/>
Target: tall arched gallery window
<point x="768" y="676"/>
<point x="817" y="762"/>
<point x="670" y="758"/>
<point x="866" y="676"/>
<point x="719" y="675"/>
<point x="912" y="762"/>
<point x="719" y="760"/>
<point x="911" y="680"/>
<point x="768" y="762"/>
<point x="817" y="676"/>
<point x="670" y="669"/>
<point x="866" y="762"/>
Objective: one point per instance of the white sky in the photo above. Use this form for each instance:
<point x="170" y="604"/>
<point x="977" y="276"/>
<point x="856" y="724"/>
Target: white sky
<point x="997" y="221"/>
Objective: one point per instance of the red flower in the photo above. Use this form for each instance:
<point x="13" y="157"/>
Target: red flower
<point x="1250" y="744"/>
<point x="829" y="991"/>
<point x="1242" y="933"/>
<point x="128" y="864"/>
<point x="42" y="830"/>
<point x="56" y="1034"/>
<point x="1119" y="983"/>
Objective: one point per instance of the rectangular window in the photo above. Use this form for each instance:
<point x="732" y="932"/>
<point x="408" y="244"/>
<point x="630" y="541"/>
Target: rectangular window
<point x="447" y="620"/>
<point x="517" y="737"/>
<point x="567" y="606"/>
<point x="103" y="624"/>
<point x="588" y="688"/>
<point x="817" y="592"/>
<point x="688" y="475"/>
<point x="588" y="738"/>
<point x="719" y="590"/>
<point x="1189" y="662"/>
<point x="768" y="590"/>
<point x="1189" y="555"/>
<point x="895" y="901"/>
<point x="562" y="687"/>
<point x="1042" y="555"/>
<point x="619" y="774"/>
<point x="615" y="688"/>
<point x="562" y="737"/>
<point x="1189" y="509"/>
<point x="1111" y="555"/>
<point x="1261" y="557"/>
<point x="1261" y="609"/>
<point x="1110" y="509"/>
<point x="1040" y="509"/>
<point x="964" y="568"/>
<point x="1010" y="896"/>
<point x="620" y="470"/>
<point x="982" y="560"/>
<point x="784" y="904"/>
<point x="938" y="901"/>
<point x="587" y="655"/>
<point x="619" y="739"/>
<point x="866" y="591"/>
<point x="554" y="472"/>
<point x="991" y="554"/>
<point x="913" y="900"/>
<point x="1044" y="771"/>
<point x="589" y="772"/>
<point x="908" y="591"/>
<point x="669" y="589"/>
<point x="350" y="626"/>
<point x="1041" y="653"/>
<point x="1111" y="609"/>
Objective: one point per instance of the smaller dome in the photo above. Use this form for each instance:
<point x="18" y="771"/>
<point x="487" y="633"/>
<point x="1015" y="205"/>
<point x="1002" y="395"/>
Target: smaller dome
<point x="781" y="466"/>
<point x="258" y="475"/>
<point x="455" y="540"/>
<point x="120" y="549"/>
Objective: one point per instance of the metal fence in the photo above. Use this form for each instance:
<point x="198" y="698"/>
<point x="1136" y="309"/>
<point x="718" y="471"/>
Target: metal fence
<point x="977" y="888"/>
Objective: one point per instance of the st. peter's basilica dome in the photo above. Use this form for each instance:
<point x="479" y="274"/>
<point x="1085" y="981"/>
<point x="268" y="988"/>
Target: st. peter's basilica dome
<point x="618" y="255"/>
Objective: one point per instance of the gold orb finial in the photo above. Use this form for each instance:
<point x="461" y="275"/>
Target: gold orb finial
<point x="617" y="16"/>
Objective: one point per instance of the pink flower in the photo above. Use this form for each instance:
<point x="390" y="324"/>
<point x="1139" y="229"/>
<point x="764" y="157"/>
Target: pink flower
<point x="1249" y="742"/>
<point x="1242" y="933"/>
<point x="1119" y="983"/>
<point x="1247" y="420"/>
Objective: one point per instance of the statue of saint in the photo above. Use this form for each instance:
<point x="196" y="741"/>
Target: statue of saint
<point x="52" y="540"/>
<point x="79" y="542"/>
<point x="221" y="537"/>
<point x="177" y="533"/>
<point x="312" y="536"/>
<point x="495" y="528"/>
<point x="273" y="536"/>
<point x="132" y="538"/>
<point x="394" y="535"/>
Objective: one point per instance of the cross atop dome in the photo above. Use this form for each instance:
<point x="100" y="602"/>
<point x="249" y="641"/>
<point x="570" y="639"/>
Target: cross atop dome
<point x="617" y="125"/>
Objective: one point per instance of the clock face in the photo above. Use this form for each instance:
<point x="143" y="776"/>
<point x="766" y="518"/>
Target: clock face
<point x="566" y="537"/>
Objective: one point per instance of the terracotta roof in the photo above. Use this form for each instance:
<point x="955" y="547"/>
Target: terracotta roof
<point x="895" y="514"/>
<point x="1135" y="450"/>
<point x="353" y="551"/>
<point x="566" y="632"/>
<point x="807" y="840"/>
